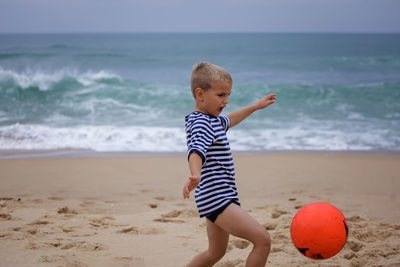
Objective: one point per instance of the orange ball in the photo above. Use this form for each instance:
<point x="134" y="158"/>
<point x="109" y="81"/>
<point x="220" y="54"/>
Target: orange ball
<point x="319" y="230"/>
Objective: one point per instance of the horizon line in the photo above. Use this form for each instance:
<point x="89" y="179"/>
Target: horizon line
<point x="200" y="32"/>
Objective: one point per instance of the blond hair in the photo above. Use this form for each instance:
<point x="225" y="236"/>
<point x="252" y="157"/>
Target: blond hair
<point x="204" y="74"/>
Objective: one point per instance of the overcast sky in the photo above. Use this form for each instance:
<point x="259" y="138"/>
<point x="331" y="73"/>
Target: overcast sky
<point x="199" y="16"/>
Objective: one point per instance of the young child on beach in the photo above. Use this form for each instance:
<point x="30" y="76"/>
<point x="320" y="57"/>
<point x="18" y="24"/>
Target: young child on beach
<point x="212" y="170"/>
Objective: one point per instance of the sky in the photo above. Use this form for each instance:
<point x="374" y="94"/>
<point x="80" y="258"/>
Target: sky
<point x="64" y="16"/>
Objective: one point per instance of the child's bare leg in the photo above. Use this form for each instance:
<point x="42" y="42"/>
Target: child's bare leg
<point x="217" y="244"/>
<point x="238" y="222"/>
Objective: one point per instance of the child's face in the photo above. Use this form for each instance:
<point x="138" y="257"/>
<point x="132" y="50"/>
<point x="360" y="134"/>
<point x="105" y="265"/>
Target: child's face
<point x="214" y="100"/>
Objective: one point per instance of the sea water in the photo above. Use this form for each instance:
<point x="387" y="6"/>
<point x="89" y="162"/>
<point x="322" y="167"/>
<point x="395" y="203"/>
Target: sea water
<point x="130" y="92"/>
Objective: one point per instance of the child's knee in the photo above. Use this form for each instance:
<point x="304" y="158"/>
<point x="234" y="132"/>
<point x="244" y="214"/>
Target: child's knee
<point x="216" y="255"/>
<point x="264" y="241"/>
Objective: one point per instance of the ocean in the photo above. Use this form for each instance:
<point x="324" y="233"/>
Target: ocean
<point x="130" y="92"/>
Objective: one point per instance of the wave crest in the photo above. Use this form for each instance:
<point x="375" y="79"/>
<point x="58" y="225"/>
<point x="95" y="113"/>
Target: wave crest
<point x="97" y="138"/>
<point x="45" y="81"/>
<point x="172" y="139"/>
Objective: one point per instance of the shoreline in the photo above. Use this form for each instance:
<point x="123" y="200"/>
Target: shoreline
<point x="74" y="153"/>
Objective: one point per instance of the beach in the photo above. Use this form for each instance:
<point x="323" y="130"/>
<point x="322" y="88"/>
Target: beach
<point x="93" y="143"/>
<point x="129" y="211"/>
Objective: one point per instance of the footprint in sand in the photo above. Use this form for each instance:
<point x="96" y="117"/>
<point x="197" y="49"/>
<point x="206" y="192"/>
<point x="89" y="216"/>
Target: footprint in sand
<point x="56" y="198"/>
<point x="164" y="220"/>
<point x="37" y="201"/>
<point x="281" y="236"/>
<point x="6" y="198"/>
<point x="276" y="213"/>
<point x="44" y="245"/>
<point x="5" y="236"/>
<point x="32" y="231"/>
<point x="187" y="213"/>
<point x="124" y="258"/>
<point x="145" y="190"/>
<point x="61" y="260"/>
<point x="231" y="263"/>
<point x="103" y="222"/>
<point x="9" y="204"/>
<point x="130" y="261"/>
<point x="68" y="246"/>
<point x="240" y="244"/>
<point x="52" y="259"/>
<point x="395" y="226"/>
<point x="354" y="219"/>
<point x="141" y="231"/>
<point x="39" y="222"/>
<point x="130" y="230"/>
<point x="38" y="230"/>
<point x="66" y="210"/>
<point x="299" y="206"/>
<point x="5" y="217"/>
<point x="270" y="226"/>
<point x="86" y="246"/>
<point x="82" y="245"/>
<point x="355" y="246"/>
<point x="55" y="244"/>
<point x="67" y="229"/>
<point x="170" y="216"/>
<point x="277" y="249"/>
<point x="359" y="262"/>
<point x="362" y="234"/>
<point x="87" y="203"/>
<point x="32" y="246"/>
<point x="349" y="255"/>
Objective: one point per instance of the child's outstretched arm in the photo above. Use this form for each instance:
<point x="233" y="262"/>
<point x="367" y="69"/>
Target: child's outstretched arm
<point x="237" y="116"/>
<point x="195" y="163"/>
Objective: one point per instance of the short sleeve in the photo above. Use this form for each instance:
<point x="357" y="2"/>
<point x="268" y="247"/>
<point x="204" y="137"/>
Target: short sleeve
<point x="225" y="122"/>
<point x="200" y="138"/>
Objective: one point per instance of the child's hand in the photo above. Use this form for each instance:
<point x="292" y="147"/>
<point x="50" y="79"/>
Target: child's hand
<point x="190" y="185"/>
<point x="266" y="101"/>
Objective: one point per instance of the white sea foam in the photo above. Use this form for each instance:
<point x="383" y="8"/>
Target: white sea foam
<point x="98" y="138"/>
<point x="163" y="139"/>
<point x="45" y="80"/>
<point x="319" y="140"/>
<point x="393" y="115"/>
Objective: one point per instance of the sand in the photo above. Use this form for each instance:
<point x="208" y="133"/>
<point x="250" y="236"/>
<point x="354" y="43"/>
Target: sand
<point x="128" y="211"/>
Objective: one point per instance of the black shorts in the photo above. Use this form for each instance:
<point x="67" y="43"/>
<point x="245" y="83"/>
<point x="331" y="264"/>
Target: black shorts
<point x="212" y="217"/>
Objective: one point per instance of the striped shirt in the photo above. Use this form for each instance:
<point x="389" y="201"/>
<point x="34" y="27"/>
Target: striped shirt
<point x="206" y="135"/>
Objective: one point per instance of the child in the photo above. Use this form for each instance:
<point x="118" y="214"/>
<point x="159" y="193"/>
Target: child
<point x="212" y="170"/>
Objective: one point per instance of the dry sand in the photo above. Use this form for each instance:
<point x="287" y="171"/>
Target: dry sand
<point x="129" y="211"/>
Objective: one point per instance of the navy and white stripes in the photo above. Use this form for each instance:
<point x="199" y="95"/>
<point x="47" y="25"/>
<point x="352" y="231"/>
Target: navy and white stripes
<point x="206" y="135"/>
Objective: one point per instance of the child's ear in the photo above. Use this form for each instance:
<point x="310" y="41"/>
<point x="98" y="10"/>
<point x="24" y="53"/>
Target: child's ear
<point x="199" y="93"/>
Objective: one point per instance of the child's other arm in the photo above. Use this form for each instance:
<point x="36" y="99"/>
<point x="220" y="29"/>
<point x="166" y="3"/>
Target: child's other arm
<point x="195" y="163"/>
<point x="237" y="116"/>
